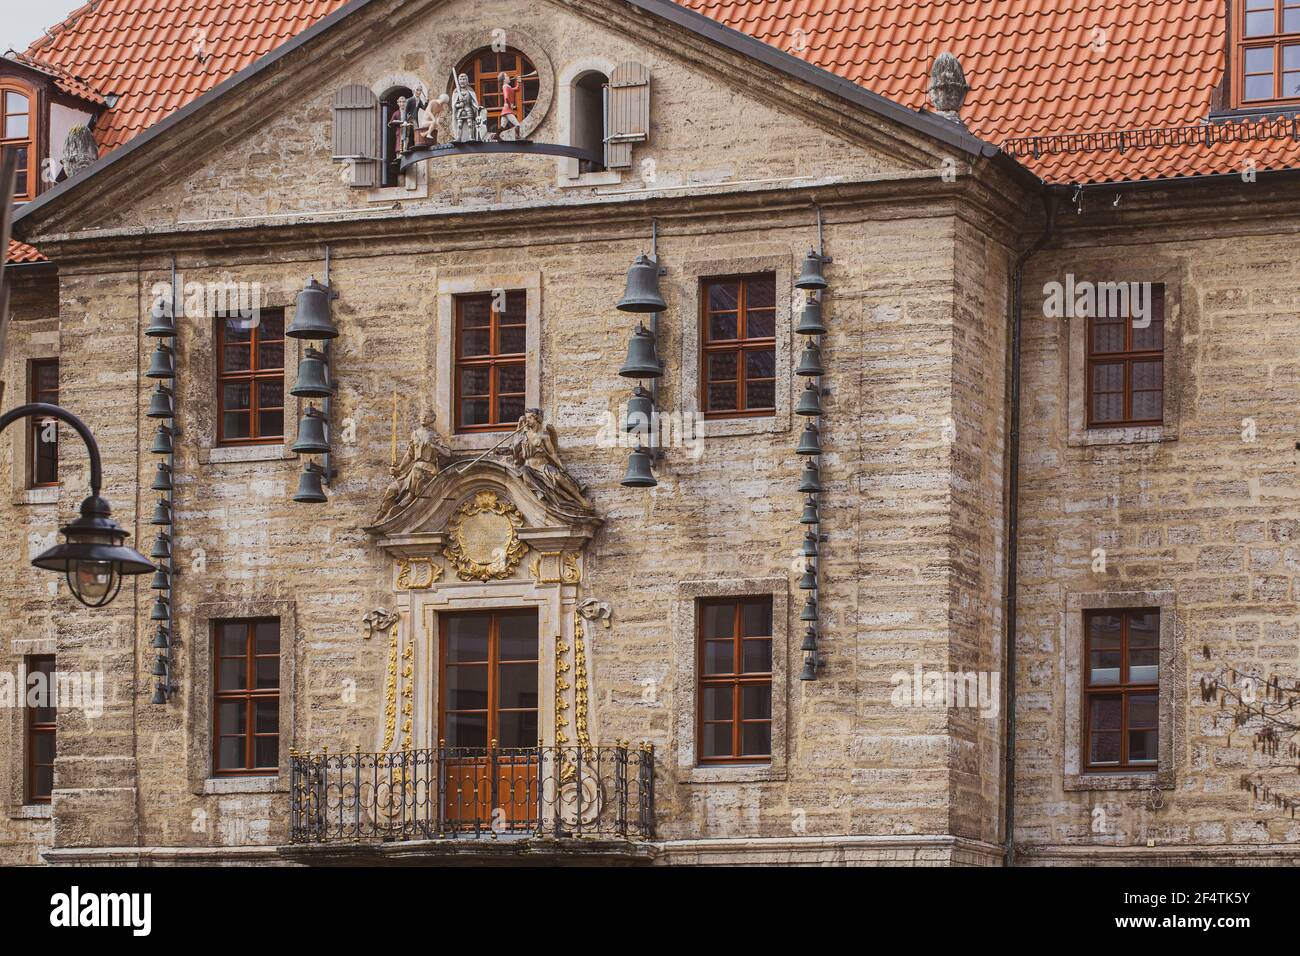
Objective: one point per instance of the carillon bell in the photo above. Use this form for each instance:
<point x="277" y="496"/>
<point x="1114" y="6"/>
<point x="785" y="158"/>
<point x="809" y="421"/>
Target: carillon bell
<point x="809" y="640"/>
<point x="639" y="474"/>
<point x="161" y="364"/>
<point x="161" y="611"/>
<point x="809" y="549"/>
<point x="810" y="277"/>
<point x="640" y="411"/>
<point x="161" y="325"/>
<point x="642" y="360"/>
<point x="162" y="441"/>
<point x="311" y="434"/>
<point x="160" y="666"/>
<point x="161" y="640"/>
<point x="809" y="442"/>
<point x="808" y="581"/>
<point x="161" y="547"/>
<point x="162" y="580"/>
<point x="162" y="478"/>
<point x="642" y="293"/>
<point x="810" y="513"/>
<point x="809" y="668"/>
<point x="309" y="484"/>
<point x="160" y="403"/>
<point x="810" y="481"/>
<point x="809" y="612"/>
<point x="311" y="319"/>
<point x="159" y="695"/>
<point x="162" y="513"/>
<point x="810" y="319"/>
<point x="810" y="361"/>
<point x="313" y="376"/>
<point x="810" y="401"/>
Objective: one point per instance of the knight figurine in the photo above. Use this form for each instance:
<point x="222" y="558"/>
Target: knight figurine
<point x="468" y="118"/>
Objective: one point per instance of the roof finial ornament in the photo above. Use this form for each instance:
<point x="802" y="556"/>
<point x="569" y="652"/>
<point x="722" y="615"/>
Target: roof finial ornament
<point x="948" y="87"/>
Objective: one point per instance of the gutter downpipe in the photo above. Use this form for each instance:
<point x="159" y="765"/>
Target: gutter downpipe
<point x="1013" y="524"/>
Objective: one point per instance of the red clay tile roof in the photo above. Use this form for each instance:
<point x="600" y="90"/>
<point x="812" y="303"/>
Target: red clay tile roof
<point x="21" y="253"/>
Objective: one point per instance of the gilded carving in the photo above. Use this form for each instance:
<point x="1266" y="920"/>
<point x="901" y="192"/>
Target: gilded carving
<point x="556" y="567"/>
<point x="416" y="574"/>
<point x="561" y="686"/>
<point x="483" y="538"/>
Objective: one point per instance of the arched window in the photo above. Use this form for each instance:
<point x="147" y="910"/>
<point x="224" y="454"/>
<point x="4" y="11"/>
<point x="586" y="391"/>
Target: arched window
<point x="588" y="118"/>
<point x="390" y="118"/>
<point x="484" y="68"/>
<point x="17" y="132"/>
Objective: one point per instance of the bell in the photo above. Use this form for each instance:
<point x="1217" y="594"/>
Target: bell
<point x="809" y="668"/>
<point x="161" y="611"/>
<point x="810" y="482"/>
<point x="640" y="411"/>
<point x="809" y="640"/>
<point x="642" y="293"/>
<point x="311" y="434"/>
<point x="808" y="581"/>
<point x="810" y="401"/>
<point x="639" y="474"/>
<point x="162" y="441"/>
<point x="162" y="479"/>
<point x="309" y="484"/>
<point x="159" y="695"/>
<point x="810" y="319"/>
<point x="160" y="403"/>
<point x="160" y="365"/>
<point x="810" y="277"/>
<point x="809" y="441"/>
<point x="642" y="362"/>
<point x="809" y="612"/>
<point x="313" y="376"/>
<point x="311" y="320"/>
<point x="162" y="513"/>
<point x="810" y="515"/>
<point x="809" y="549"/>
<point x="162" y="580"/>
<point x="162" y="325"/>
<point x="161" y="640"/>
<point x="160" y="666"/>
<point x="161" y="546"/>
<point x="810" y="361"/>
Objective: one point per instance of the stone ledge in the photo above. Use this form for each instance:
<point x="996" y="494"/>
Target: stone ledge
<point x="1228" y="854"/>
<point x="901" y="850"/>
<point x="473" y="852"/>
<point x="164" y="856"/>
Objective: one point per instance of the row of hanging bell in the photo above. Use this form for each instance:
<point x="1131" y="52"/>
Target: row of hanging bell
<point x="641" y="295"/>
<point x="312" y="320"/>
<point x="810" y="366"/>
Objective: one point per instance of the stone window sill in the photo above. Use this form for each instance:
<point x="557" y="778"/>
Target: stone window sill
<point x="749" y="773"/>
<point x="267" y="784"/>
<point x="744" y="425"/>
<point x="610" y="177"/>
<point x="32" y="811"/>
<point x="39" y="496"/>
<point x="231" y="454"/>
<point x="1135" y="780"/>
<point x="1138" y="435"/>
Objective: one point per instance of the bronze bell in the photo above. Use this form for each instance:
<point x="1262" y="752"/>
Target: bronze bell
<point x="313" y="376"/>
<point x="808" y="582"/>
<point x="162" y="479"/>
<point x="161" y="547"/>
<point x="160" y="666"/>
<point x="642" y="360"/>
<point x="810" y="401"/>
<point x="309" y="484"/>
<point x="809" y="441"/>
<point x="810" y="319"/>
<point x="810" y="514"/>
<point x="160" y="611"/>
<point x="809" y="549"/>
<point x="311" y="434"/>
<point x="160" y="403"/>
<point x="640" y="411"/>
<point x="161" y="640"/>
<point x="809" y="612"/>
<point x="162" y="513"/>
<point x="311" y="319"/>
<point x="810" y="482"/>
<point x="161" y="365"/>
<point x="161" y="325"/>
<point x="809" y="640"/>
<point x="159" y="695"/>
<point x="810" y="277"/>
<point x="639" y="474"/>
<point x="162" y="441"/>
<point x="642" y="293"/>
<point x="810" y="361"/>
<point x="162" y="580"/>
<point x="809" y="668"/>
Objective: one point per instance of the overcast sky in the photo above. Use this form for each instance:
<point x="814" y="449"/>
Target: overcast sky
<point x="22" y="21"/>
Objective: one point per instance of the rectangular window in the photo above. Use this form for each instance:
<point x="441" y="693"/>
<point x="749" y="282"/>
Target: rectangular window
<point x="490" y="689"/>
<point x="739" y="345"/>
<point x="1126" y="368"/>
<point x="39" y="723"/>
<point x="1268" y="52"/>
<point x="491" y="349"/>
<point x="250" y="380"/>
<point x="246" y="696"/>
<point x="735" y="680"/>
<point x="43" y="469"/>
<point x="1121" y="702"/>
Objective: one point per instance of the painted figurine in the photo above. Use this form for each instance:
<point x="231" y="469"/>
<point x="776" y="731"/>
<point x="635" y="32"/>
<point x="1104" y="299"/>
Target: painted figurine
<point x="512" y="102"/>
<point x="468" y="118"/>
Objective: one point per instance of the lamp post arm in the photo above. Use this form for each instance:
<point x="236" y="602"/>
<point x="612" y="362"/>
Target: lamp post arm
<point x="45" y="410"/>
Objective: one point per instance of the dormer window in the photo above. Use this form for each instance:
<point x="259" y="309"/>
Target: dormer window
<point x="1268" y="47"/>
<point x="17" y="126"/>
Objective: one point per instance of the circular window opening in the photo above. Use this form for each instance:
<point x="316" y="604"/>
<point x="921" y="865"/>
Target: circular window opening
<point x="505" y="84"/>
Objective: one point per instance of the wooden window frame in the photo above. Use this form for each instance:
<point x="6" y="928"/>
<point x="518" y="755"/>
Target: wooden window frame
<point x="1274" y="41"/>
<point x="33" y="729"/>
<point x="741" y="345"/>
<point x="253" y="376"/>
<point x="37" y="394"/>
<point x="1124" y="689"/>
<point x="250" y="696"/>
<point x="737" y="681"/>
<point x="493" y="663"/>
<point x="492" y="361"/>
<point x="483" y="83"/>
<point x="24" y="188"/>
<point x="1128" y="357"/>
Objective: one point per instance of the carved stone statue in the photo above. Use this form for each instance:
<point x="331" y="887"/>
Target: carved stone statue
<point x="948" y="87"/>
<point x="79" y="150"/>
<point x="468" y="118"/>
<point x="424" y="458"/>
<point x="535" y="452"/>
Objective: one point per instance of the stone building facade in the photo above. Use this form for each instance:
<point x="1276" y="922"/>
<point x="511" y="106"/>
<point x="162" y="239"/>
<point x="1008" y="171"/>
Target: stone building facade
<point x="749" y="160"/>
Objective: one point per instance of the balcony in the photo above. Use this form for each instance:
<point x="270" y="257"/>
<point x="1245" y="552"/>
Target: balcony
<point x="556" y="804"/>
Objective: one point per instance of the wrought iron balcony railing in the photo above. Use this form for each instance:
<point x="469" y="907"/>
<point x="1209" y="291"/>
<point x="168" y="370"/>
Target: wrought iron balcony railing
<point x="448" y="792"/>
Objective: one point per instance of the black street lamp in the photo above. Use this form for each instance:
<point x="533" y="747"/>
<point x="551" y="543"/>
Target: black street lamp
<point x="93" y="556"/>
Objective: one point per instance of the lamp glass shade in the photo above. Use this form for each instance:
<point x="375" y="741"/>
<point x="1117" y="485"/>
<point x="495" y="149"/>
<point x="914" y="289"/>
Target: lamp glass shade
<point x="93" y="556"/>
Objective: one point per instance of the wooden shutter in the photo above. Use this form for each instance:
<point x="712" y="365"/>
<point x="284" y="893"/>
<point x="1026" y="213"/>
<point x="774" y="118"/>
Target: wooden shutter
<point x="356" y="133"/>
<point x="627" y="113"/>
